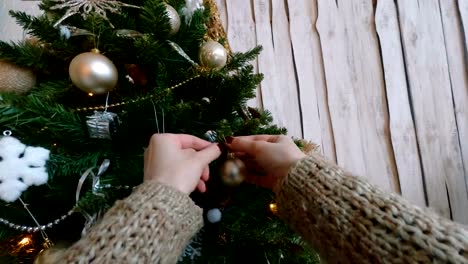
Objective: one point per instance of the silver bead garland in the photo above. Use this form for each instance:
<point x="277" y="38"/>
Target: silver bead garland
<point x="31" y="229"/>
<point x="35" y="229"/>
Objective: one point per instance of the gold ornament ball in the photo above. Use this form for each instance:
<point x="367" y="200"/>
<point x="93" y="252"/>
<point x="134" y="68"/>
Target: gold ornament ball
<point x="174" y="19"/>
<point x="14" y="78"/>
<point x="93" y="73"/>
<point x="233" y="172"/>
<point x="212" y="55"/>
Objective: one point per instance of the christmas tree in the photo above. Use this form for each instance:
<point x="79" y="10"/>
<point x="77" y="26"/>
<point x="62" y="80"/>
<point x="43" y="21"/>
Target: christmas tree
<point x="80" y="99"/>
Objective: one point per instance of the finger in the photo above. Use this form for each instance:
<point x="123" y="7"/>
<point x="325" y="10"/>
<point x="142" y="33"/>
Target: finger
<point x="206" y="174"/>
<point x="209" y="154"/>
<point x="189" y="141"/>
<point x="267" y="138"/>
<point x="250" y="147"/>
<point x="201" y="186"/>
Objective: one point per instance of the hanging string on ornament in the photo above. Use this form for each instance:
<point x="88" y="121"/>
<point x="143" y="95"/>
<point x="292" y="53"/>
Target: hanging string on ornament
<point x="103" y="125"/>
<point x="88" y="7"/>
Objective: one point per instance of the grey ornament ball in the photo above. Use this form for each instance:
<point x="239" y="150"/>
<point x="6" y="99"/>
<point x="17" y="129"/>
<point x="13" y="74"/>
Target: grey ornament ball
<point x="211" y="136"/>
<point x="214" y="215"/>
<point x="174" y="19"/>
<point x="212" y="55"/>
<point x="93" y="73"/>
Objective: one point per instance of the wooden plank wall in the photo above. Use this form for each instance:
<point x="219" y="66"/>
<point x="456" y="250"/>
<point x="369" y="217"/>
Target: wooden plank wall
<point x="381" y="85"/>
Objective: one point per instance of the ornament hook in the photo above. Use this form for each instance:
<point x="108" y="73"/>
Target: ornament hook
<point x="7" y="133"/>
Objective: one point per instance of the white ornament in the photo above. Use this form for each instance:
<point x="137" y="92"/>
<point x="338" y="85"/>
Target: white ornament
<point x="65" y="32"/>
<point x="21" y="166"/>
<point x="190" y="7"/>
<point x="214" y="215"/>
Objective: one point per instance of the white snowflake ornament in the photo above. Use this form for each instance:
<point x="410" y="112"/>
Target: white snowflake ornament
<point x="21" y="166"/>
<point x="190" y="7"/>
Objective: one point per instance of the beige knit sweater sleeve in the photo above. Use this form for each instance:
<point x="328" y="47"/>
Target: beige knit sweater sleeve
<point x="152" y="225"/>
<point x="350" y="221"/>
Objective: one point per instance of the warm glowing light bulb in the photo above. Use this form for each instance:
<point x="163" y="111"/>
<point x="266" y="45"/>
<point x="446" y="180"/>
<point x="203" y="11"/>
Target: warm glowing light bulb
<point x="274" y="208"/>
<point x="90" y="94"/>
<point x="25" y="241"/>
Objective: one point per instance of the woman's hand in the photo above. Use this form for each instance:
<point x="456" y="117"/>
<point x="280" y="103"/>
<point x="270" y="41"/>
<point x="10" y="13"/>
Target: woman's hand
<point x="273" y="154"/>
<point x="180" y="161"/>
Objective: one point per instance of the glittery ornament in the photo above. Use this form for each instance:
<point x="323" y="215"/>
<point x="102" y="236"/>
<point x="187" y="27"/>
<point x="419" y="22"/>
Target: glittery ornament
<point x="102" y="125"/>
<point x="16" y="79"/>
<point x="87" y="7"/>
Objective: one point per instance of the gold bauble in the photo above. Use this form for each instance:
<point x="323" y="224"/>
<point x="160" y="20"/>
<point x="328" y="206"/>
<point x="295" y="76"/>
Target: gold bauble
<point x="93" y="73"/>
<point x="233" y="172"/>
<point x="212" y="55"/>
<point x="14" y="78"/>
<point x="174" y="19"/>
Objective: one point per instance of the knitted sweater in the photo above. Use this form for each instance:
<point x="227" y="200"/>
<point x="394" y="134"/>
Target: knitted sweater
<point x="343" y="217"/>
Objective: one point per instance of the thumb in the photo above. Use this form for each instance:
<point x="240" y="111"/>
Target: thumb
<point x="208" y="154"/>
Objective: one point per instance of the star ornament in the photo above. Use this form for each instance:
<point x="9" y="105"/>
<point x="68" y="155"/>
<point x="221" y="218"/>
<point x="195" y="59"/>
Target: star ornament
<point x="86" y="7"/>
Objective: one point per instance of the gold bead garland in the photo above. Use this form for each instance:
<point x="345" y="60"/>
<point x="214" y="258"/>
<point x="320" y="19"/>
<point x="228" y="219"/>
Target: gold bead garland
<point x="103" y="107"/>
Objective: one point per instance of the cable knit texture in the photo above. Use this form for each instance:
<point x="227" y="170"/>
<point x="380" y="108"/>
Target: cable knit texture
<point x="350" y="221"/>
<point x="343" y="217"/>
<point x="152" y="225"/>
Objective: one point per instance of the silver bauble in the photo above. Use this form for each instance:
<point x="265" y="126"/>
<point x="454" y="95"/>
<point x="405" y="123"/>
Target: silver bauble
<point x="93" y="73"/>
<point x="174" y="19"/>
<point x="212" y="55"/>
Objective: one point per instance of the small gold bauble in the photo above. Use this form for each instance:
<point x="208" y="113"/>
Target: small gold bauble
<point x="93" y="73"/>
<point x="233" y="172"/>
<point x="212" y="55"/>
<point x="14" y="78"/>
<point x="174" y="19"/>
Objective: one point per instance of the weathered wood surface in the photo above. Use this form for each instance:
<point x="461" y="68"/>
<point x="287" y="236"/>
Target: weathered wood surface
<point x="402" y="129"/>
<point x="381" y="85"/>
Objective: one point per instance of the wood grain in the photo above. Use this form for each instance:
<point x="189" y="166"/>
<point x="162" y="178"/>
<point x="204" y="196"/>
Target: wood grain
<point x="363" y="58"/>
<point x="463" y="10"/>
<point x="431" y="94"/>
<point x="458" y="72"/>
<point x="402" y="131"/>
<point x="341" y="99"/>
<point x="310" y="74"/>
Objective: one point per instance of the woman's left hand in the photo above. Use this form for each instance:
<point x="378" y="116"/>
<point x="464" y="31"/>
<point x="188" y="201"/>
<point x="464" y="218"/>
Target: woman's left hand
<point x="180" y="161"/>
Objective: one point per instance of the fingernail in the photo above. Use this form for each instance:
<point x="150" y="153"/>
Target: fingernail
<point x="229" y="139"/>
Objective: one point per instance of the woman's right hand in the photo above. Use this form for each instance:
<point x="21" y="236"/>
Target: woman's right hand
<point x="273" y="154"/>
